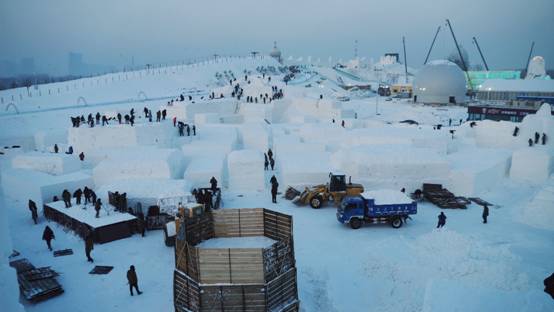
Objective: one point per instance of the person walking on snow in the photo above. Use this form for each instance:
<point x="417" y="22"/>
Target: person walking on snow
<point x="48" y="236"/>
<point x="266" y="162"/>
<point x="174" y="121"/>
<point x="97" y="207"/>
<point x="34" y="212"/>
<point x="270" y="153"/>
<point x="194" y="130"/>
<point x="89" y="246"/>
<point x="274" y="189"/>
<point x="77" y="194"/>
<point x="442" y="220"/>
<point x="164" y="114"/>
<point x="485" y="213"/>
<point x="133" y="280"/>
<point x="56" y="148"/>
<point x="272" y="163"/>
<point x="66" y="196"/>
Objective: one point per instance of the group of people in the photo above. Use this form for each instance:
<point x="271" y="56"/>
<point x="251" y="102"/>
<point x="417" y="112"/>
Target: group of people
<point x="89" y="196"/>
<point x="69" y="151"/>
<point x="442" y="217"/>
<point x="537" y="138"/>
<point x="182" y="127"/>
<point x="160" y="114"/>
<point x="269" y="160"/>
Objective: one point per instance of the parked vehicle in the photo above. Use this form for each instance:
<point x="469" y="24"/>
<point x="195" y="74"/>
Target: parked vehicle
<point x="383" y="206"/>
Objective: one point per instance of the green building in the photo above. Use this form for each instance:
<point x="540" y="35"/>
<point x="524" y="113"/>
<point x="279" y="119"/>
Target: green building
<point x="478" y="77"/>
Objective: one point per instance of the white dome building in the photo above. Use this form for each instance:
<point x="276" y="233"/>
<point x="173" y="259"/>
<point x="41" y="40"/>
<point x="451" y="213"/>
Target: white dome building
<point x="440" y="82"/>
<point x="275" y="53"/>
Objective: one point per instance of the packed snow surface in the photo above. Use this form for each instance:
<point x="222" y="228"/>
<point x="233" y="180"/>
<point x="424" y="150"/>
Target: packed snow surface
<point x="237" y="242"/>
<point x="86" y="213"/>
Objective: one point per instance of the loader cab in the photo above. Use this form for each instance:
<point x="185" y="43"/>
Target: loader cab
<point x="337" y="183"/>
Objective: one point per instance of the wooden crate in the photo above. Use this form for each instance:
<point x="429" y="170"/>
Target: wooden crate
<point x="235" y="279"/>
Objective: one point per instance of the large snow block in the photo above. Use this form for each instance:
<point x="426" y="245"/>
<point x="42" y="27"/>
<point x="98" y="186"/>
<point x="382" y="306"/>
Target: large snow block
<point x="222" y="107"/>
<point x="201" y="169"/>
<point x="474" y="171"/>
<point x="23" y="184"/>
<point x="532" y="164"/>
<point x="85" y="139"/>
<point x="148" y="192"/>
<point x="540" y="211"/>
<point x="298" y="169"/>
<point x="50" y="163"/>
<point x="206" y="118"/>
<point x="246" y="172"/>
<point x="255" y="136"/>
<point x="157" y="163"/>
<point x="392" y="166"/>
<point x="44" y="140"/>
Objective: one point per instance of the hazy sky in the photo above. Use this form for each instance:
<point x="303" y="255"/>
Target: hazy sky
<point x="112" y="31"/>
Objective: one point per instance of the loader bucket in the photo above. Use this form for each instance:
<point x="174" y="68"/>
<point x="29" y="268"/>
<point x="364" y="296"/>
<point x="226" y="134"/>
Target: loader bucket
<point x="291" y="193"/>
<point x="301" y="199"/>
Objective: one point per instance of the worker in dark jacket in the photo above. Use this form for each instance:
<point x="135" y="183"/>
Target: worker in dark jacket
<point x="89" y="246"/>
<point x="86" y="193"/>
<point x="272" y="163"/>
<point x="33" y="208"/>
<point x="97" y="207"/>
<point x="213" y="182"/>
<point x="537" y="137"/>
<point x="92" y="197"/>
<point x="274" y="188"/>
<point x="66" y="196"/>
<point x="133" y="280"/>
<point x="266" y="162"/>
<point x="485" y="213"/>
<point x="82" y="156"/>
<point x="56" y="148"/>
<point x="543" y="138"/>
<point x="77" y="194"/>
<point x="48" y="236"/>
<point x="270" y="153"/>
<point x="442" y="220"/>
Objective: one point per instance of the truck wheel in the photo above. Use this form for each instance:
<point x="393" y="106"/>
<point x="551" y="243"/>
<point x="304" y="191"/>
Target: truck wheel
<point x="355" y="223"/>
<point x="396" y="223"/>
<point x="316" y="202"/>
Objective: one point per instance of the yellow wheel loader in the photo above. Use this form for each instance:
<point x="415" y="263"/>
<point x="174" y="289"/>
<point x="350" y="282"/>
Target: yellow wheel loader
<point x="319" y="194"/>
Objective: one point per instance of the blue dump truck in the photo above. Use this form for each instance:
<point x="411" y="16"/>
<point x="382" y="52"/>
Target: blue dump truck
<point x="383" y="206"/>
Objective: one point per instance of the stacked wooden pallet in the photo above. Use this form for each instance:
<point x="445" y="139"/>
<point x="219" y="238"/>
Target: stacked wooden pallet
<point x="36" y="284"/>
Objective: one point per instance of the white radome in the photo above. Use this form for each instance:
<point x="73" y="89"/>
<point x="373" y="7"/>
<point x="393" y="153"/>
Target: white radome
<point x="440" y="82"/>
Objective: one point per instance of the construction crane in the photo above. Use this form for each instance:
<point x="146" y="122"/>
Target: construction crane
<point x="460" y="54"/>
<point x="405" y="62"/>
<point x="432" y="44"/>
<point x="480" y="53"/>
<point x="529" y="57"/>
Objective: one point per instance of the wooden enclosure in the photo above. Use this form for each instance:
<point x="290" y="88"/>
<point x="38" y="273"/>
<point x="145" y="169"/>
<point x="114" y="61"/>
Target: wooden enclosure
<point x="235" y="279"/>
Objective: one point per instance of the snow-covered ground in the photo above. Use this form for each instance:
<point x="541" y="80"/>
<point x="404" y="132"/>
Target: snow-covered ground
<point x="465" y="266"/>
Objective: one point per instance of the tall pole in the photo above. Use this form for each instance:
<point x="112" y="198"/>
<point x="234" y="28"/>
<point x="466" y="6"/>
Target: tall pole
<point x="459" y="53"/>
<point x="481" y="53"/>
<point x="529" y="57"/>
<point x="405" y="62"/>
<point x="432" y="44"/>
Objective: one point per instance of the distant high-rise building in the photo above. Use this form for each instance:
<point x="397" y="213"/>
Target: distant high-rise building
<point x="75" y="65"/>
<point x="27" y="66"/>
<point x="8" y="68"/>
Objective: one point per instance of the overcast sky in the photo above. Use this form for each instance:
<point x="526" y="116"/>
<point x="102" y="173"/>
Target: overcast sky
<point x="112" y="31"/>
